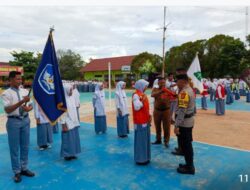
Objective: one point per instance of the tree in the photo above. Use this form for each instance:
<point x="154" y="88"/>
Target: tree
<point x="146" y="63"/>
<point x="70" y="64"/>
<point x="224" y="56"/>
<point x="28" y="61"/>
<point x="219" y="56"/>
<point x="182" y="56"/>
<point x="147" y="67"/>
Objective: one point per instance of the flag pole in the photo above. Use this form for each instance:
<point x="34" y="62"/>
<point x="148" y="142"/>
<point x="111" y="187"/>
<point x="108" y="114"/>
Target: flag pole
<point x="163" y="43"/>
<point x="109" y="68"/>
<point x="51" y="29"/>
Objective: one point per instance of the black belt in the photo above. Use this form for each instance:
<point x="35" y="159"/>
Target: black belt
<point x="186" y="115"/>
<point x="164" y="109"/>
<point x="18" y="117"/>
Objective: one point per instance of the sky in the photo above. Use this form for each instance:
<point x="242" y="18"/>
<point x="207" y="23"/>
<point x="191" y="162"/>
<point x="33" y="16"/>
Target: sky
<point x="108" y="31"/>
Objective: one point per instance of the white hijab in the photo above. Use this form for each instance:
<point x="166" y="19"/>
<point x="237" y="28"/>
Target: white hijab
<point x="141" y="85"/>
<point x="121" y="98"/>
<point x="155" y="84"/>
<point x="71" y="118"/>
<point x="76" y="95"/>
<point x="99" y="100"/>
<point x="119" y="91"/>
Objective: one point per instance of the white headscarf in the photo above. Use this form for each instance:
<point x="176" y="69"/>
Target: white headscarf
<point x="121" y="98"/>
<point x="76" y="95"/>
<point x="141" y="85"/>
<point x="99" y="100"/>
<point x="71" y="118"/>
<point x="220" y="81"/>
<point x="119" y="91"/>
<point x="155" y="84"/>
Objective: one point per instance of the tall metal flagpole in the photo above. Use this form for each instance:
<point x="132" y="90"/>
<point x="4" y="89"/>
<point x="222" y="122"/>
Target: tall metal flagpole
<point x="163" y="41"/>
<point x="109" y="68"/>
<point x="246" y="26"/>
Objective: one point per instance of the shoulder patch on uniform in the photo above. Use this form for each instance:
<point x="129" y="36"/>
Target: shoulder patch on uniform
<point x="183" y="100"/>
<point x="183" y="95"/>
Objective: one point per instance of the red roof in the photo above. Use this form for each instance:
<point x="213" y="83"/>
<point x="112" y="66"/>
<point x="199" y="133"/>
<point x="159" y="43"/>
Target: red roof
<point x="102" y="64"/>
<point x="4" y="64"/>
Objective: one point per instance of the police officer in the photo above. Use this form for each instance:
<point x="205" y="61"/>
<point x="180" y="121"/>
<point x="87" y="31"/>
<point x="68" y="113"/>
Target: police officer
<point x="15" y="101"/>
<point x="184" y="123"/>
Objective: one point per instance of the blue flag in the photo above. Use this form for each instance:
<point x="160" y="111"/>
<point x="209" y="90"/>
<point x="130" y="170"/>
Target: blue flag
<point x="47" y="85"/>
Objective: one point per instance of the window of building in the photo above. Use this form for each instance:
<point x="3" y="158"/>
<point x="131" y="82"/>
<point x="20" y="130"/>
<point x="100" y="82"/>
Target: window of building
<point x="98" y="76"/>
<point x="119" y="77"/>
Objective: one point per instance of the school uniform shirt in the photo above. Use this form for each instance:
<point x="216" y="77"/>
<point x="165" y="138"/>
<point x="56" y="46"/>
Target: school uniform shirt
<point x="39" y="114"/>
<point x="76" y="96"/>
<point x="70" y="117"/>
<point x="10" y="97"/>
<point x="99" y="101"/>
<point x="242" y="85"/>
<point x="121" y="98"/>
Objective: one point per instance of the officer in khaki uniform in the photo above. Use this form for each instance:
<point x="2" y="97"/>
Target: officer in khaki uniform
<point x="162" y="97"/>
<point x="184" y="123"/>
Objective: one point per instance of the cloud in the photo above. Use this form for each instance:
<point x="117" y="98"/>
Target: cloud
<point x="113" y="31"/>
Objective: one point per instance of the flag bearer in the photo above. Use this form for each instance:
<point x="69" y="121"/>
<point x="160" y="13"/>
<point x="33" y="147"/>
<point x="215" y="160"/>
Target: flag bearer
<point x="15" y="101"/>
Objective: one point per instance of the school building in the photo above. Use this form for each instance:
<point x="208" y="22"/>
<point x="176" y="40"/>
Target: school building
<point x="97" y="69"/>
<point x="5" y="69"/>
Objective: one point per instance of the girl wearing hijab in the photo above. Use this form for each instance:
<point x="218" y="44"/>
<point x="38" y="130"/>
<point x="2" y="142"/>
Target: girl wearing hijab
<point x="99" y="109"/>
<point x="142" y="120"/>
<point x="44" y="129"/>
<point x="204" y="95"/>
<point x="122" y="110"/>
<point x="235" y="89"/>
<point x="76" y="96"/>
<point x="70" y="124"/>
<point x="220" y="98"/>
<point x="247" y="92"/>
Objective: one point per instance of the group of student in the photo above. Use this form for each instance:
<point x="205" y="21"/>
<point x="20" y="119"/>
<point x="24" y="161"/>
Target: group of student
<point x="17" y="104"/>
<point x="222" y="90"/>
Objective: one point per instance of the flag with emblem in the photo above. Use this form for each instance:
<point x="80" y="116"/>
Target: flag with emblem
<point x="194" y="72"/>
<point x="47" y="85"/>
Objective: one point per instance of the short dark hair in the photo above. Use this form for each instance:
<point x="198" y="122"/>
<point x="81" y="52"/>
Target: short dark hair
<point x="181" y="70"/>
<point x="13" y="74"/>
<point x="169" y="74"/>
<point x="182" y="77"/>
<point x="160" y="78"/>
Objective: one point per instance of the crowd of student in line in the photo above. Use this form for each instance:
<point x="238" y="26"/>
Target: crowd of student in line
<point x="174" y="102"/>
<point x="221" y="90"/>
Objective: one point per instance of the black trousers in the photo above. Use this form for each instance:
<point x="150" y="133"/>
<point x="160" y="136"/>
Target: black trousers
<point x="185" y="140"/>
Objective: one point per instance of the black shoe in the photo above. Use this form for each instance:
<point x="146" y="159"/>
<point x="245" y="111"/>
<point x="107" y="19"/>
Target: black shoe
<point x="166" y="144"/>
<point x="182" y="165"/>
<point x="43" y="147"/>
<point x="177" y="153"/>
<point x="156" y="142"/>
<point x="73" y="157"/>
<point x="143" y="163"/>
<point x="186" y="170"/>
<point x="17" y="178"/>
<point x="123" y="136"/>
<point x="27" y="173"/>
<point x="67" y="158"/>
<point x="177" y="149"/>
